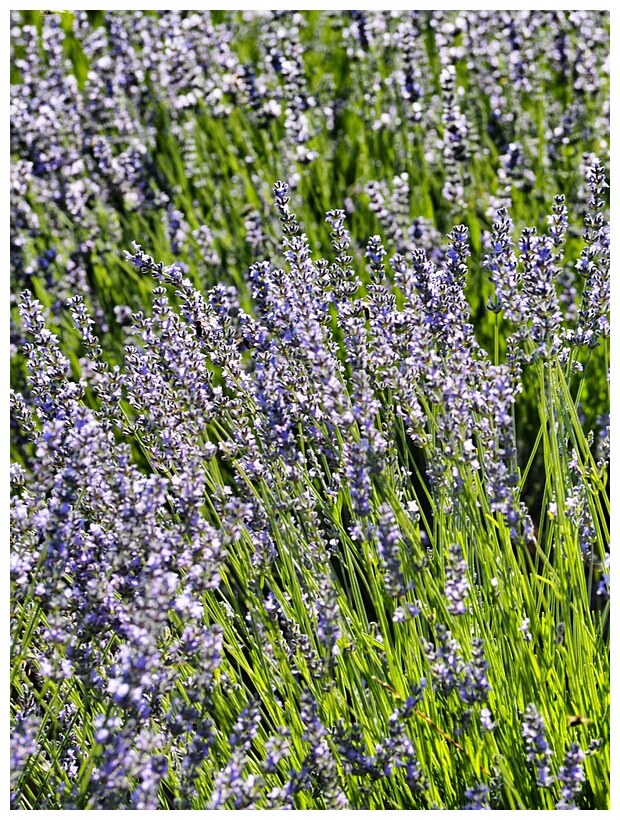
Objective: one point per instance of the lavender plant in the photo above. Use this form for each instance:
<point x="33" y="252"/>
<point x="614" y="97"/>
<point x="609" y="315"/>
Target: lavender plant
<point x="243" y="624"/>
<point x="297" y="523"/>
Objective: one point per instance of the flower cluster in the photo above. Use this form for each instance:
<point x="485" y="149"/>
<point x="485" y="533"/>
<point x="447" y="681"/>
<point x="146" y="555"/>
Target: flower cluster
<point x="571" y="776"/>
<point x="456" y="581"/>
<point x="449" y="671"/>
<point x="537" y="746"/>
<point x="122" y="561"/>
<point x="234" y="468"/>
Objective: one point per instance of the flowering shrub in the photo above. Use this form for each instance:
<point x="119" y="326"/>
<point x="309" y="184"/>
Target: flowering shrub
<point x="284" y="547"/>
<point x="174" y="125"/>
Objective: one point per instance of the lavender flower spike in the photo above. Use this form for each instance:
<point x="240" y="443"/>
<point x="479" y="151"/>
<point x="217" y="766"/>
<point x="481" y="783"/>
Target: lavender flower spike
<point x="538" y="751"/>
<point x="456" y="582"/>
<point x="571" y="775"/>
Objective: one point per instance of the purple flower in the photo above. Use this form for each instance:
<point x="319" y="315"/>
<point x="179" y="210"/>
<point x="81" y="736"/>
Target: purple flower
<point x="455" y="140"/>
<point x="524" y="629"/>
<point x="402" y="754"/>
<point x="571" y="776"/>
<point x="603" y="584"/>
<point x="456" y="581"/>
<point x="388" y="539"/>
<point x="447" y="664"/>
<point x="320" y="764"/>
<point x="23" y="743"/>
<point x="230" y="782"/>
<point x="487" y="723"/>
<point x="478" y="797"/>
<point x="475" y="686"/>
<point x="276" y="749"/>
<point x="503" y="266"/>
<point x="536" y="745"/>
<point x="328" y="614"/>
<point x="594" y="264"/>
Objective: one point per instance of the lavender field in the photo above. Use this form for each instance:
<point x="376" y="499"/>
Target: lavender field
<point x="310" y="410"/>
